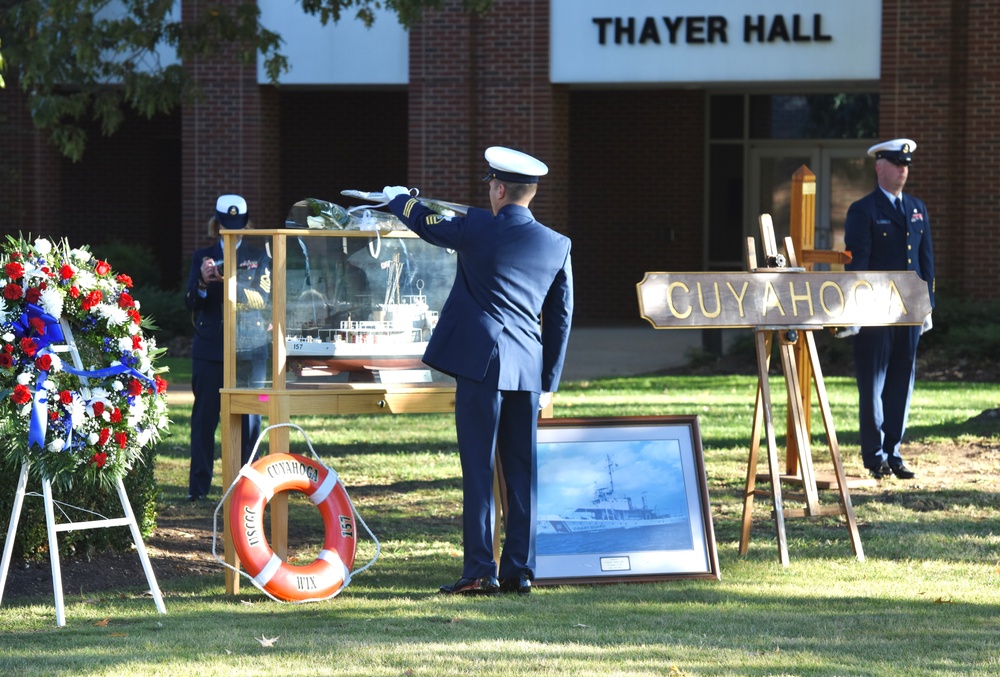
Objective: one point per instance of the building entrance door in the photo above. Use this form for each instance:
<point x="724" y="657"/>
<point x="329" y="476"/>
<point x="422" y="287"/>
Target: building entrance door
<point x="844" y="173"/>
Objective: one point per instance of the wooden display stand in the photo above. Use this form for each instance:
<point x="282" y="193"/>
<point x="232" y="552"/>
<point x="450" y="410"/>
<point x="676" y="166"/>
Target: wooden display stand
<point x="798" y="433"/>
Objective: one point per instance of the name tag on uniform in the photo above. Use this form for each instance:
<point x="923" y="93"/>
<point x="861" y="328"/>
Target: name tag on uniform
<point x="882" y="222"/>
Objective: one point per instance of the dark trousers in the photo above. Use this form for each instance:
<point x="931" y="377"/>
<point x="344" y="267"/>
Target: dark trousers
<point x="486" y="419"/>
<point x="885" y="361"/>
<point x="206" y="381"/>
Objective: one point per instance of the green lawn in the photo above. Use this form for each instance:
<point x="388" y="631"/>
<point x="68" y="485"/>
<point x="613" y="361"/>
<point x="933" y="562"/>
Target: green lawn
<point x="925" y="602"/>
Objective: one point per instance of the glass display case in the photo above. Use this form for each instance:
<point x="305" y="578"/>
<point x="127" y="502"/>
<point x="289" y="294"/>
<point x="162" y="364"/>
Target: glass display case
<point x="329" y="308"/>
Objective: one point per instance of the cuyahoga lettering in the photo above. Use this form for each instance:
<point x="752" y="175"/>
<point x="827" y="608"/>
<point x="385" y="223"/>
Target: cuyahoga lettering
<point x="783" y="299"/>
<point x="283" y="468"/>
<point x="700" y="30"/>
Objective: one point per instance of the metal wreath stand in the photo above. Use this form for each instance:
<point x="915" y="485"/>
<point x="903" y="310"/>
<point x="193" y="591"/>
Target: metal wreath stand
<point x="222" y="502"/>
<point x="53" y="528"/>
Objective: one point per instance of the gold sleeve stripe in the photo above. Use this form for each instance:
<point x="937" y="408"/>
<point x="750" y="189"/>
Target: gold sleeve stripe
<point x="434" y="220"/>
<point x="410" y="204"/>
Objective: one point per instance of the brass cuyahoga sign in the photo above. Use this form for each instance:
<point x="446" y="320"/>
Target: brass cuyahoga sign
<point x="793" y="298"/>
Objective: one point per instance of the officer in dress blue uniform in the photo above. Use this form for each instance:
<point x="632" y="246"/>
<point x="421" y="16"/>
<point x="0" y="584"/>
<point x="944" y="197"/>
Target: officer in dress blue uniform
<point x="204" y="300"/>
<point x="888" y="230"/>
<point x="502" y="334"/>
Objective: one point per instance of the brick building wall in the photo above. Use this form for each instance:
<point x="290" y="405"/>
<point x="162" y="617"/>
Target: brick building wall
<point x="638" y="168"/>
<point x="482" y="82"/>
<point x="940" y="86"/>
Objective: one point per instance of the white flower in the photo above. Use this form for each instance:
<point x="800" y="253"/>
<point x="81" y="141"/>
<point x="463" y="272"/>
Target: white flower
<point x="50" y="385"/>
<point x="81" y="254"/>
<point x="144" y="436"/>
<point x="3" y="317"/>
<point x="85" y="280"/>
<point x="76" y="410"/>
<point x="117" y="386"/>
<point x="51" y="302"/>
<point x="92" y="439"/>
<point x="8" y="337"/>
<point x="124" y="344"/>
<point x="115" y="315"/>
<point x="43" y="246"/>
<point x="24" y="378"/>
<point x="57" y="444"/>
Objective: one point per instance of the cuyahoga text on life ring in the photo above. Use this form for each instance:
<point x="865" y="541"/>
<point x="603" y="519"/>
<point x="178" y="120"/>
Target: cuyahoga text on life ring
<point x="785" y="298"/>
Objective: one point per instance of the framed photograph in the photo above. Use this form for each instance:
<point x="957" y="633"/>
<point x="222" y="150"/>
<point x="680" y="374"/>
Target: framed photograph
<point x="622" y="500"/>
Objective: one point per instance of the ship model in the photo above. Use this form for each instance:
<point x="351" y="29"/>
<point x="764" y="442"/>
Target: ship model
<point x="394" y="339"/>
<point x="607" y="511"/>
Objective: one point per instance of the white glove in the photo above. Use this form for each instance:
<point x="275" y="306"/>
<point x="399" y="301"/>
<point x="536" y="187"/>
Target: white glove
<point x="845" y="332"/>
<point x="392" y="191"/>
<point x="928" y="325"/>
<point x="544" y="400"/>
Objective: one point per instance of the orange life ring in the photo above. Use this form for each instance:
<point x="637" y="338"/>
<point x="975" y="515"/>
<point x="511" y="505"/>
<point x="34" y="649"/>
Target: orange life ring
<point x="256" y="485"/>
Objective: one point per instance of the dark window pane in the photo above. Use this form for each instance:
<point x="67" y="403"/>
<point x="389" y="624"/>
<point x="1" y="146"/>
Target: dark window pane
<point x="814" y="116"/>
<point x="726" y="117"/>
<point x="725" y="209"/>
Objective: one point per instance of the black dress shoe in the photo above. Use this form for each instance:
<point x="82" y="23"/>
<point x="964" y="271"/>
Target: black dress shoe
<point x="882" y="471"/>
<point x="194" y="498"/>
<point x="521" y="585"/>
<point x="487" y="585"/>
<point x="902" y="472"/>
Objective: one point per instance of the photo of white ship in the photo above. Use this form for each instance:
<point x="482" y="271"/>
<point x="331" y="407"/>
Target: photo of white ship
<point x="601" y="502"/>
<point x="608" y="510"/>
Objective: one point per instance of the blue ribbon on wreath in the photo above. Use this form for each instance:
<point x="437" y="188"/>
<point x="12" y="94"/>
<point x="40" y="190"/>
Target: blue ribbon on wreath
<point x="50" y="333"/>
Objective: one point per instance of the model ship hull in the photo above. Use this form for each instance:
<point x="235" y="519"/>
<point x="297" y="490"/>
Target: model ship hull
<point x="356" y="357"/>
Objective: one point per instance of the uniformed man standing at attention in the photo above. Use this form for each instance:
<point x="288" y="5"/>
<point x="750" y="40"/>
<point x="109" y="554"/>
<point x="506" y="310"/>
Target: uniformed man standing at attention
<point x="502" y="334"/>
<point x="888" y="230"/>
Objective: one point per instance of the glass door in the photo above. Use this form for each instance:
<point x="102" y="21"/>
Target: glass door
<point x="844" y="173"/>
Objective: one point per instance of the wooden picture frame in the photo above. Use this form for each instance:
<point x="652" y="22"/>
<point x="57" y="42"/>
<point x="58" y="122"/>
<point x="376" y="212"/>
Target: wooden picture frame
<point x="622" y="499"/>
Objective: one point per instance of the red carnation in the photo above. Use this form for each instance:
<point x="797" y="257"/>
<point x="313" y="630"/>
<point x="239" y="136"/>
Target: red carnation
<point x="124" y="279"/>
<point x="133" y="315"/>
<point x="14" y="270"/>
<point x="38" y="324"/>
<point x="92" y="299"/>
<point x="65" y="397"/>
<point x="99" y="459"/>
<point x="125" y="301"/>
<point x="102" y="268"/>
<point x="136" y="342"/>
<point x="161" y="384"/>
<point x="116" y="415"/>
<point x="66" y="271"/>
<point x="74" y="291"/>
<point x="121" y="439"/>
<point x="43" y="362"/>
<point x="32" y="294"/>
<point x="29" y="346"/>
<point x="12" y="292"/>
<point x="135" y="387"/>
<point x="21" y="394"/>
<point x="102" y="437"/>
<point x="98" y="408"/>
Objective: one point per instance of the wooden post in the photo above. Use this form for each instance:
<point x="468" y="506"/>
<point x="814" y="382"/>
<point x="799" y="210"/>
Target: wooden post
<point x="803" y="234"/>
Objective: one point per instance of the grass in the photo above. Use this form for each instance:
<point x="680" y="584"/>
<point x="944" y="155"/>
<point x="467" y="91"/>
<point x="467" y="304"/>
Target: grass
<point x="925" y="602"/>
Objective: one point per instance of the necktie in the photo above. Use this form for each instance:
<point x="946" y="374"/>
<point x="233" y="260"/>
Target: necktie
<point x="899" y="207"/>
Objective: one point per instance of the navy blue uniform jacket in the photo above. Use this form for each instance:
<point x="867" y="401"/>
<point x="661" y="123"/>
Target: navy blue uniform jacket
<point x="880" y="239"/>
<point x="513" y="292"/>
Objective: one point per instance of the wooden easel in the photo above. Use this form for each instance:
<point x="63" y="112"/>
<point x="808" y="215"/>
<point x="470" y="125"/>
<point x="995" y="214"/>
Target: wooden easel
<point x="788" y="338"/>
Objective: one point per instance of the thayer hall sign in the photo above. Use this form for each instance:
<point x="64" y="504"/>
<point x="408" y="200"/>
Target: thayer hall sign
<point x="715" y="41"/>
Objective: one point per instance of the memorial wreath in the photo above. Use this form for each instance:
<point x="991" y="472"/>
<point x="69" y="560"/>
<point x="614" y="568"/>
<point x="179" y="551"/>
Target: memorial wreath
<point x="80" y="396"/>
